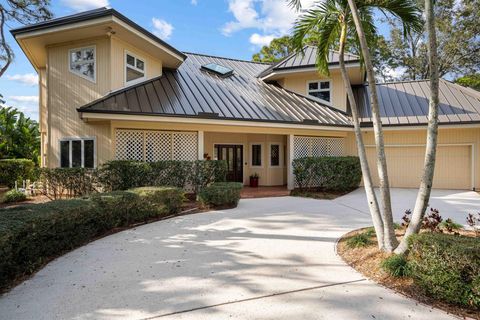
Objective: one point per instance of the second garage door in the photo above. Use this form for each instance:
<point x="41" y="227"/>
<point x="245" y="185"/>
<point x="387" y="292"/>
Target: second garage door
<point x="453" y="168"/>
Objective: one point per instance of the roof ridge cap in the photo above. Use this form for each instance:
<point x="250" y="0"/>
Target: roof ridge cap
<point x="226" y="58"/>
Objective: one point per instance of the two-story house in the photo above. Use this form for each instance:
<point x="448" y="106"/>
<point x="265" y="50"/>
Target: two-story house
<point x="110" y="89"/>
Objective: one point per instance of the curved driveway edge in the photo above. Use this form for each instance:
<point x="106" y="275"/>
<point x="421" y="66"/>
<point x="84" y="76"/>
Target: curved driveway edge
<point x="271" y="258"/>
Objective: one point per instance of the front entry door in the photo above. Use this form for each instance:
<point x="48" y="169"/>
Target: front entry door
<point x="233" y="154"/>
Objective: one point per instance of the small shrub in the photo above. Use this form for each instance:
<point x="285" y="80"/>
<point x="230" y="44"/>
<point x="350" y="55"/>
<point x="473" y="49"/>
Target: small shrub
<point x="450" y="226"/>
<point x="432" y="220"/>
<point x="59" y="183"/>
<point x="327" y="173"/>
<point x="370" y="232"/>
<point x="14" y="196"/>
<point x="170" y="198"/>
<point x="474" y="223"/>
<point x="359" y="240"/>
<point x="221" y="194"/>
<point x="396" y="265"/>
<point x="447" y="267"/>
<point x="16" y="170"/>
<point x="407" y="217"/>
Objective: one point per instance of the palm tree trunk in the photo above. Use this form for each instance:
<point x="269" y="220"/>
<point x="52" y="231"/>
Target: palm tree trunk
<point x="390" y="241"/>
<point x="423" y="195"/>
<point x="367" y="177"/>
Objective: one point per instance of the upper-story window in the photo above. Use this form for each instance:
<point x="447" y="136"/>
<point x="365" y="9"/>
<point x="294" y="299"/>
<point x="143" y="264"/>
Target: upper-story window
<point x="320" y="90"/>
<point x="134" y="68"/>
<point x="82" y="62"/>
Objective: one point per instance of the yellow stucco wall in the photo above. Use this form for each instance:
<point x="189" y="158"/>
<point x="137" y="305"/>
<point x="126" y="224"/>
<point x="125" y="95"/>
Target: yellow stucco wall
<point x="458" y="156"/>
<point x="66" y="91"/>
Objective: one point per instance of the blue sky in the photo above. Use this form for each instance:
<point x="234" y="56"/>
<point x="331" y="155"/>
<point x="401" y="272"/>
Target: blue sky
<point x="231" y="28"/>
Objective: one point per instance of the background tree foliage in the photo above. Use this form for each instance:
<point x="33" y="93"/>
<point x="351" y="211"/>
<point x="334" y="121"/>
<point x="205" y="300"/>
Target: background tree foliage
<point x="19" y="135"/>
<point x="397" y="57"/>
<point x="458" y="35"/>
<point x="23" y="12"/>
<point x="471" y="80"/>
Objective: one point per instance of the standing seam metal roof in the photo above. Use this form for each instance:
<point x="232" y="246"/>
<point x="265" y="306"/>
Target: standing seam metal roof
<point x="307" y="59"/>
<point x="406" y="103"/>
<point x="192" y="92"/>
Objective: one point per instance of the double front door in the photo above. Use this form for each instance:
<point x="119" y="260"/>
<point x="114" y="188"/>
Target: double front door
<point x="233" y="154"/>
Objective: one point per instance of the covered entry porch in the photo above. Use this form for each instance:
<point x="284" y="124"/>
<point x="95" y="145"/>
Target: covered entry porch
<point x="266" y="152"/>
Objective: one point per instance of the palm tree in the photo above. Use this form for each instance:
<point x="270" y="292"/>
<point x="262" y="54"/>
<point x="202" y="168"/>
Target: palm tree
<point x="408" y="13"/>
<point x="425" y="189"/>
<point x="333" y="21"/>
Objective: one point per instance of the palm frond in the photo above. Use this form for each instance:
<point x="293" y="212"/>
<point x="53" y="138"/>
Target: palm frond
<point x="406" y="11"/>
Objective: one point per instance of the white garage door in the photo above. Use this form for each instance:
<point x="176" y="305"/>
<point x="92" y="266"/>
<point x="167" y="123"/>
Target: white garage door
<point x="453" y="169"/>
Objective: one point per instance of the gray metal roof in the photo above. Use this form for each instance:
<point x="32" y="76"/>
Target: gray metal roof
<point x="307" y="59"/>
<point x="406" y="103"/>
<point x="192" y="92"/>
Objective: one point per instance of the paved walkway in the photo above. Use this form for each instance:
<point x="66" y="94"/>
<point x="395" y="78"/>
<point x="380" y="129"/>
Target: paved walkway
<point x="267" y="259"/>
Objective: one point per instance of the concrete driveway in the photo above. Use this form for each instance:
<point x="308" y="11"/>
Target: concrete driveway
<point x="454" y="204"/>
<point x="271" y="258"/>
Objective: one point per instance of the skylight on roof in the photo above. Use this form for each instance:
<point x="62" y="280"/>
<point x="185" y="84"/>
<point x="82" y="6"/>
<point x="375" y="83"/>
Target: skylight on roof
<point x="218" y="69"/>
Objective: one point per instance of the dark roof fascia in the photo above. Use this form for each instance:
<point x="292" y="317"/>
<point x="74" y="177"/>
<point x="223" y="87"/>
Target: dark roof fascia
<point x="93" y="14"/>
<point x="212" y="118"/>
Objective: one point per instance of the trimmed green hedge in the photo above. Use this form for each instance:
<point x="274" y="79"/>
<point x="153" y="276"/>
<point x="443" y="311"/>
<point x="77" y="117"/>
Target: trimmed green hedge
<point x="447" y="267"/>
<point x="30" y="235"/>
<point x="327" y="173"/>
<point x="12" y="170"/>
<point x="188" y="175"/>
<point x="221" y="194"/>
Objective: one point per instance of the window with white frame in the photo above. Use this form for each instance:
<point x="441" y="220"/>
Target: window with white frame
<point x="256" y="155"/>
<point x="320" y="90"/>
<point x="134" y="68"/>
<point x="77" y="152"/>
<point x="82" y="62"/>
<point x="274" y="155"/>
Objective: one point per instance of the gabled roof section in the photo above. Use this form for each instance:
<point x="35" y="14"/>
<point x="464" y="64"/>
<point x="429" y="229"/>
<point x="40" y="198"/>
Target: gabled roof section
<point x="297" y="60"/>
<point x="406" y="103"/>
<point x="102" y="21"/>
<point x="193" y="93"/>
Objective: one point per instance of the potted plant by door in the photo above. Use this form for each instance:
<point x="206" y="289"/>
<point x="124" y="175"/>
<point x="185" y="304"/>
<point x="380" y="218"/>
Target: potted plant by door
<point x="254" y="180"/>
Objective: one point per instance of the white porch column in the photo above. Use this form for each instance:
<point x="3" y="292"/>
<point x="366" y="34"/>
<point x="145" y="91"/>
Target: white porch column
<point x="200" y="145"/>
<point x="290" y="149"/>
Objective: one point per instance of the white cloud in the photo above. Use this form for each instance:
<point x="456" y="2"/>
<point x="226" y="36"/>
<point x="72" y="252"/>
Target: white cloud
<point x="162" y="28"/>
<point x="194" y="2"/>
<point x="29" y="79"/>
<point x="269" y="16"/>
<point x="24" y="99"/>
<point x="82" y="5"/>
<point x="26" y="104"/>
<point x="260" y="40"/>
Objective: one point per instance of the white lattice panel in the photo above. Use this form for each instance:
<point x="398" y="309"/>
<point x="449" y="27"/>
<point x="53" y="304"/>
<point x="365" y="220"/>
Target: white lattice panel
<point x="317" y="147"/>
<point x="129" y="145"/>
<point x="158" y="146"/>
<point x="150" y="145"/>
<point x="185" y="146"/>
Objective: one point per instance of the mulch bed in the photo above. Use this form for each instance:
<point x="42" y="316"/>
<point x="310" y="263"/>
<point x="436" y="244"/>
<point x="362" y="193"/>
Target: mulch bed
<point x="319" y="194"/>
<point x="367" y="261"/>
